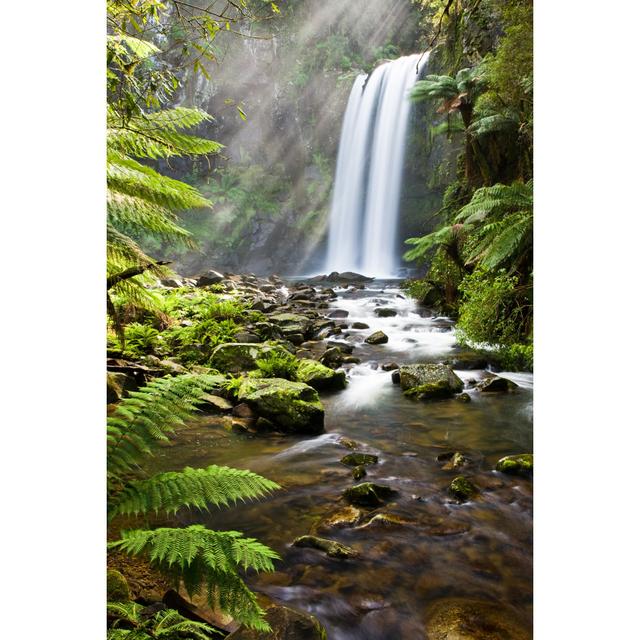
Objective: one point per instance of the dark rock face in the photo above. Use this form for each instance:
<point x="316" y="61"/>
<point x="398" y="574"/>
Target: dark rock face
<point x="286" y="624"/>
<point x="496" y="384"/>
<point x="462" y="619"/>
<point x="379" y="337"/>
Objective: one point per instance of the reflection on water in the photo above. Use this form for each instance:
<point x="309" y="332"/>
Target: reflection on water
<point x="479" y="549"/>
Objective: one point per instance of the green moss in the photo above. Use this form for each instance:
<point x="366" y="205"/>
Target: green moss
<point x="357" y="459"/>
<point x="117" y="587"/>
<point x="430" y="390"/>
<point x="319" y="376"/>
<point x="358" y="473"/>
<point x="368" y="494"/>
<point x="521" y="464"/>
<point x="332" y="548"/>
<point x="462" y="489"/>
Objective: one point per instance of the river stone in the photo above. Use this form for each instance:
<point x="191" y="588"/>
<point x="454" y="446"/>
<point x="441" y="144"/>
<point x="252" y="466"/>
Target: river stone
<point x="347" y="517"/>
<point x="118" y="384"/>
<point x="520" y="464"/>
<point x="462" y="489"/>
<point x="378" y="337"/>
<point x="461" y="619"/>
<point x="429" y="380"/>
<point x="234" y="357"/>
<point x="214" y="402"/>
<point x="286" y="624"/>
<point x="332" y="357"/>
<point x="332" y="548"/>
<point x="338" y="313"/>
<point x="357" y="459"/>
<point x="496" y="383"/>
<point x="319" y="376"/>
<point x="359" y="472"/>
<point x="464" y="398"/>
<point x="385" y="312"/>
<point x="368" y="494"/>
<point x="294" y="406"/>
<point x="453" y="461"/>
<point x="210" y="277"/>
<point x="467" y="360"/>
<point x="385" y="520"/>
<point x="246" y="336"/>
<point x="359" y="325"/>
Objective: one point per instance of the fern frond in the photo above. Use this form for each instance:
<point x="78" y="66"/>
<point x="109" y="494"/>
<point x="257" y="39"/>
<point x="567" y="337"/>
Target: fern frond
<point x="148" y="415"/>
<point x="219" y="486"/>
<point x="433" y="86"/>
<point x="207" y="560"/>
<point x="495" y="123"/>
<point x="423" y="244"/>
<point x="497" y="200"/>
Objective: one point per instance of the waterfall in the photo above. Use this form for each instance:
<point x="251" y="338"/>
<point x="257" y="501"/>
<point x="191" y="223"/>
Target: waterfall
<point x="366" y="193"/>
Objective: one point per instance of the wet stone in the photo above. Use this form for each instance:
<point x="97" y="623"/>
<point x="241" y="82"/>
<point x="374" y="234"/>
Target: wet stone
<point x="368" y="494"/>
<point x="332" y="548"/>
<point x="358" y="459"/>
<point x="462" y="489"/>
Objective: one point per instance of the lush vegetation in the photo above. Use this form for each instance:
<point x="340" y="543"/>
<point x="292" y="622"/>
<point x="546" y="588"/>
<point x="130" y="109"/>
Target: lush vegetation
<point x="480" y="260"/>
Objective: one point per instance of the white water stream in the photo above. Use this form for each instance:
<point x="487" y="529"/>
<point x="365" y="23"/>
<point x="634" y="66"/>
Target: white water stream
<point x="368" y="180"/>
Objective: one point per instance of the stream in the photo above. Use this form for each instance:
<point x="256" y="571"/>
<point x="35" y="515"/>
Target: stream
<point x="481" y="549"/>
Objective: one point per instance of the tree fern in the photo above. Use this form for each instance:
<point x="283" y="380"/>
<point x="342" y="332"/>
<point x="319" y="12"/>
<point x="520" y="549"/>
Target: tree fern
<point x="205" y="560"/>
<point x="147" y="416"/>
<point x="219" y="486"/>
<point x="167" y="624"/>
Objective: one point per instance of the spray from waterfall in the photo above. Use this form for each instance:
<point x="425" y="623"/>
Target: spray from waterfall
<point x="366" y="194"/>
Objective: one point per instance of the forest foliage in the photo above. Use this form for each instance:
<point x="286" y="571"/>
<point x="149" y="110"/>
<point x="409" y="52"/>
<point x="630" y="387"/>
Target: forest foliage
<point x="480" y="260"/>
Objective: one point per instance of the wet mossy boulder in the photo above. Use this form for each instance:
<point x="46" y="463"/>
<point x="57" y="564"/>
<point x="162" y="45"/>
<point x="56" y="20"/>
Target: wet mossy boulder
<point x="332" y="548"/>
<point x="462" y="489"/>
<point x="520" y="464"/>
<point x="234" y="357"/>
<point x="462" y="619"/>
<point x="356" y="459"/>
<point x="378" y="337"/>
<point x="332" y="357"/>
<point x="319" y="376"/>
<point x="293" y="323"/>
<point x="117" y="587"/>
<point x="347" y="517"/>
<point x="368" y="494"/>
<point x="452" y="460"/>
<point x="496" y="384"/>
<point x="359" y="325"/>
<point x="286" y="624"/>
<point x="359" y="472"/>
<point x="429" y="380"/>
<point x="293" y="406"/>
<point x="385" y="312"/>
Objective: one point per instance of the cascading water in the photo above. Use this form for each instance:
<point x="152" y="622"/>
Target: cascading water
<point x="366" y="195"/>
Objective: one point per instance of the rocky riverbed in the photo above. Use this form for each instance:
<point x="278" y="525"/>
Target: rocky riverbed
<point x="406" y="508"/>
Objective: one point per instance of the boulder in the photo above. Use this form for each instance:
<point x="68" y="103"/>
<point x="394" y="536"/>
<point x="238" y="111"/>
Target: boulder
<point x="378" y="337"/>
<point x="462" y="619"/>
<point x="243" y="410"/>
<point x="332" y="357"/>
<point x="117" y="587"/>
<point x="338" y="313"/>
<point x="427" y="381"/>
<point x="286" y="624"/>
<point x="292" y="323"/>
<point x="462" y="489"/>
<point x="234" y="357"/>
<point x="210" y="277"/>
<point x="347" y="517"/>
<point x="496" y="384"/>
<point x="368" y="494"/>
<point x="356" y="459"/>
<point x="214" y="402"/>
<point x="464" y="398"/>
<point x="293" y="406"/>
<point x="246" y="337"/>
<point x="319" y="376"/>
<point x="520" y="464"/>
<point x="385" y="312"/>
<point x="118" y="384"/>
<point x="359" y="472"/>
<point x="359" y="325"/>
<point x="332" y="548"/>
<point x="467" y="360"/>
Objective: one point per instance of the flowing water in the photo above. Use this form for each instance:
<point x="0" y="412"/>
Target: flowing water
<point x="480" y="549"/>
<point x="366" y="194"/>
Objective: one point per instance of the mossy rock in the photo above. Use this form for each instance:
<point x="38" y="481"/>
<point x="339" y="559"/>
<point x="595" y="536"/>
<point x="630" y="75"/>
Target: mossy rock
<point x="385" y="312"/>
<point x="359" y="472"/>
<point x="368" y="494"/>
<point x="378" y="337"/>
<point x="117" y="587"/>
<point x="496" y="384"/>
<point x="429" y="380"/>
<point x="356" y="459"/>
<point x="294" y="406"/>
<point x="347" y="517"/>
<point x="464" y="398"/>
<point x="385" y="520"/>
<point x="462" y="489"/>
<point x="286" y="624"/>
<point x="453" y="461"/>
<point x="332" y="548"/>
<point x="235" y="357"/>
<point x="319" y="376"/>
<point x="520" y="464"/>
<point x="462" y="619"/>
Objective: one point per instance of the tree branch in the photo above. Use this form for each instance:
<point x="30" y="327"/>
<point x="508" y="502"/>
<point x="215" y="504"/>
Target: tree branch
<point x="132" y="272"/>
